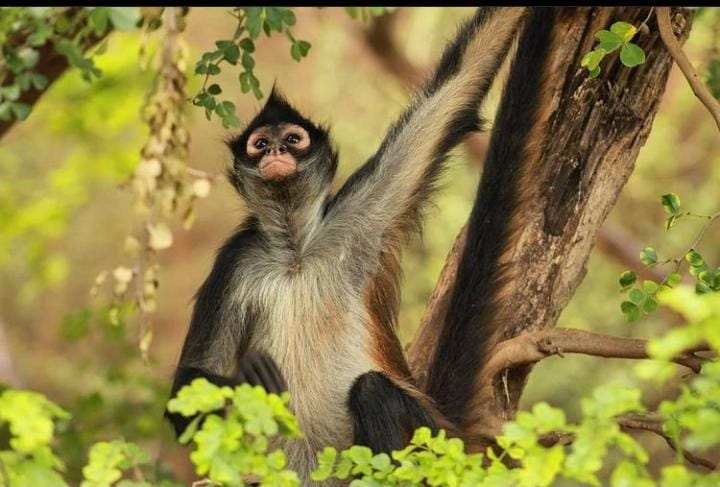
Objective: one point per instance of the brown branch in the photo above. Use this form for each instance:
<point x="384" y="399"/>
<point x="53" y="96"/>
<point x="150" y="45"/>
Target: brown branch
<point x="531" y="347"/>
<point x="633" y="421"/>
<point x="51" y="64"/>
<point x="678" y="55"/>
<point x="653" y="424"/>
<point x="610" y="241"/>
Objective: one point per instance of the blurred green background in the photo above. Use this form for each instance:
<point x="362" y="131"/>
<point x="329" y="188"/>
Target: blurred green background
<point x="63" y="214"/>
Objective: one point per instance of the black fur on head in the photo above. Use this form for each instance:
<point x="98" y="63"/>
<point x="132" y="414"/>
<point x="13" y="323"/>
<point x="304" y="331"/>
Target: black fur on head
<point x="319" y="163"/>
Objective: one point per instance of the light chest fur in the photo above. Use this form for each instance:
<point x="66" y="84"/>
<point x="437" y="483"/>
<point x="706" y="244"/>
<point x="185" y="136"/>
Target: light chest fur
<point x="313" y="326"/>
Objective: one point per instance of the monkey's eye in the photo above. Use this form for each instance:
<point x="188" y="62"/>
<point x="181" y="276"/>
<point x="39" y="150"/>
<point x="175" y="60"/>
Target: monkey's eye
<point x="292" y="139"/>
<point x="260" y="144"/>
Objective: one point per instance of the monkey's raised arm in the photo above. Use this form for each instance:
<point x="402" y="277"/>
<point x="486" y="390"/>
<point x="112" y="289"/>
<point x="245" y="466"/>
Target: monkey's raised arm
<point x="385" y="196"/>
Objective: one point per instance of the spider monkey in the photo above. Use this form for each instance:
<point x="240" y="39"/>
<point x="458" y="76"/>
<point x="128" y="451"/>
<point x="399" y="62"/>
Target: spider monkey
<point x="304" y="296"/>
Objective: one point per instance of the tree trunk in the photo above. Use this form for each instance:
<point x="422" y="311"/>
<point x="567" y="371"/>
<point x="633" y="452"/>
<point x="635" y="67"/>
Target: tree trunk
<point x="591" y="134"/>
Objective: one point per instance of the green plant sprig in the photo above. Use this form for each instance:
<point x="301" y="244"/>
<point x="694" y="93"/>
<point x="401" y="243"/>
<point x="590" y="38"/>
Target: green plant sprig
<point x="642" y="298"/>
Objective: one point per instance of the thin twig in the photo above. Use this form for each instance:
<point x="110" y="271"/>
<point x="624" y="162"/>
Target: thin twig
<point x="528" y="348"/>
<point x="653" y="424"/>
<point x="676" y="52"/>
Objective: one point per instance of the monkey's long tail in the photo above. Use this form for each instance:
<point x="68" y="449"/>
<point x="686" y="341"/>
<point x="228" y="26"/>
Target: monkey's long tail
<point x="480" y="309"/>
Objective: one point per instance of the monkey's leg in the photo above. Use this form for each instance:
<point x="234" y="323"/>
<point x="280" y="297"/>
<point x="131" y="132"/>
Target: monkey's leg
<point x="384" y="415"/>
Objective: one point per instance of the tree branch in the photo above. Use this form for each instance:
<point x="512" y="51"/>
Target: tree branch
<point x="531" y="347"/>
<point x="654" y="424"/>
<point x="51" y="64"/>
<point x="678" y="55"/>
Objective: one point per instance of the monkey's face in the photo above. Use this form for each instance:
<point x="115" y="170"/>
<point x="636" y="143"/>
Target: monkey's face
<point x="282" y="150"/>
<point x="276" y="149"/>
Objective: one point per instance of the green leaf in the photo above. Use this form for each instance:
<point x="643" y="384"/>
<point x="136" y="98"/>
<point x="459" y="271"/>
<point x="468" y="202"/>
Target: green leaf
<point x="223" y="44"/>
<point x="702" y="288"/>
<point x="40" y="34"/>
<point x="28" y="56"/>
<point x="304" y="47"/>
<point x="248" y="62"/>
<point x="226" y="111"/>
<point x="99" y="18"/>
<point x="695" y="259"/>
<point x="213" y="69"/>
<point x="648" y="256"/>
<point x="200" y="396"/>
<point x="609" y="40"/>
<point x="253" y="21"/>
<point x="214" y="89"/>
<point x="190" y="430"/>
<point x="637" y="296"/>
<point x="650" y="305"/>
<point x="670" y="221"/>
<point x="244" y="79"/>
<point x="232" y="54"/>
<point x="288" y="17"/>
<point x="274" y="18"/>
<point x="5" y="111"/>
<point x="673" y="279"/>
<point x="10" y="92"/>
<point x="630" y="310"/>
<point x="247" y="45"/>
<point x="632" y="55"/>
<point x="21" y="110"/>
<point x="592" y="59"/>
<point x="623" y="30"/>
<point x="295" y="52"/>
<point x="671" y="203"/>
<point x="124" y="18"/>
<point x="650" y="287"/>
<point x="627" y="279"/>
<point x="39" y="81"/>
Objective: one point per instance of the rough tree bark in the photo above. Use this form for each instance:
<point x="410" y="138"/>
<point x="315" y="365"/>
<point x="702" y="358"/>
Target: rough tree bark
<point x="592" y="136"/>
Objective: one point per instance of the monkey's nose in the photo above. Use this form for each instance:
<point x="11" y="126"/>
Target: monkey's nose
<point x="281" y="149"/>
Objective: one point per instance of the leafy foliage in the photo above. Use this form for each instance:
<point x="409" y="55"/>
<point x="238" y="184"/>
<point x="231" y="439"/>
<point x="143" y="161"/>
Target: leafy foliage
<point x="233" y="446"/>
<point x="643" y="298"/>
<point x="251" y="21"/>
<point x="24" y="31"/>
<point x="30" y="459"/>
<point x="618" y="37"/>
<point x="238" y="442"/>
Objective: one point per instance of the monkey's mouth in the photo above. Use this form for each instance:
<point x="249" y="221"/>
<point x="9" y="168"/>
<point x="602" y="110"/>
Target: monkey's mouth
<point x="276" y="168"/>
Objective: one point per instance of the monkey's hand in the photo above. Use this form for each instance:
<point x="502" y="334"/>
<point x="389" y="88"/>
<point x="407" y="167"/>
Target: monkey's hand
<point x="259" y="369"/>
<point x="254" y="368"/>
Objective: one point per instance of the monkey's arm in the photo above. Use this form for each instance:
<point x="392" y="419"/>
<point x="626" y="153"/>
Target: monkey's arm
<point x="384" y="197"/>
<point x="217" y="341"/>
